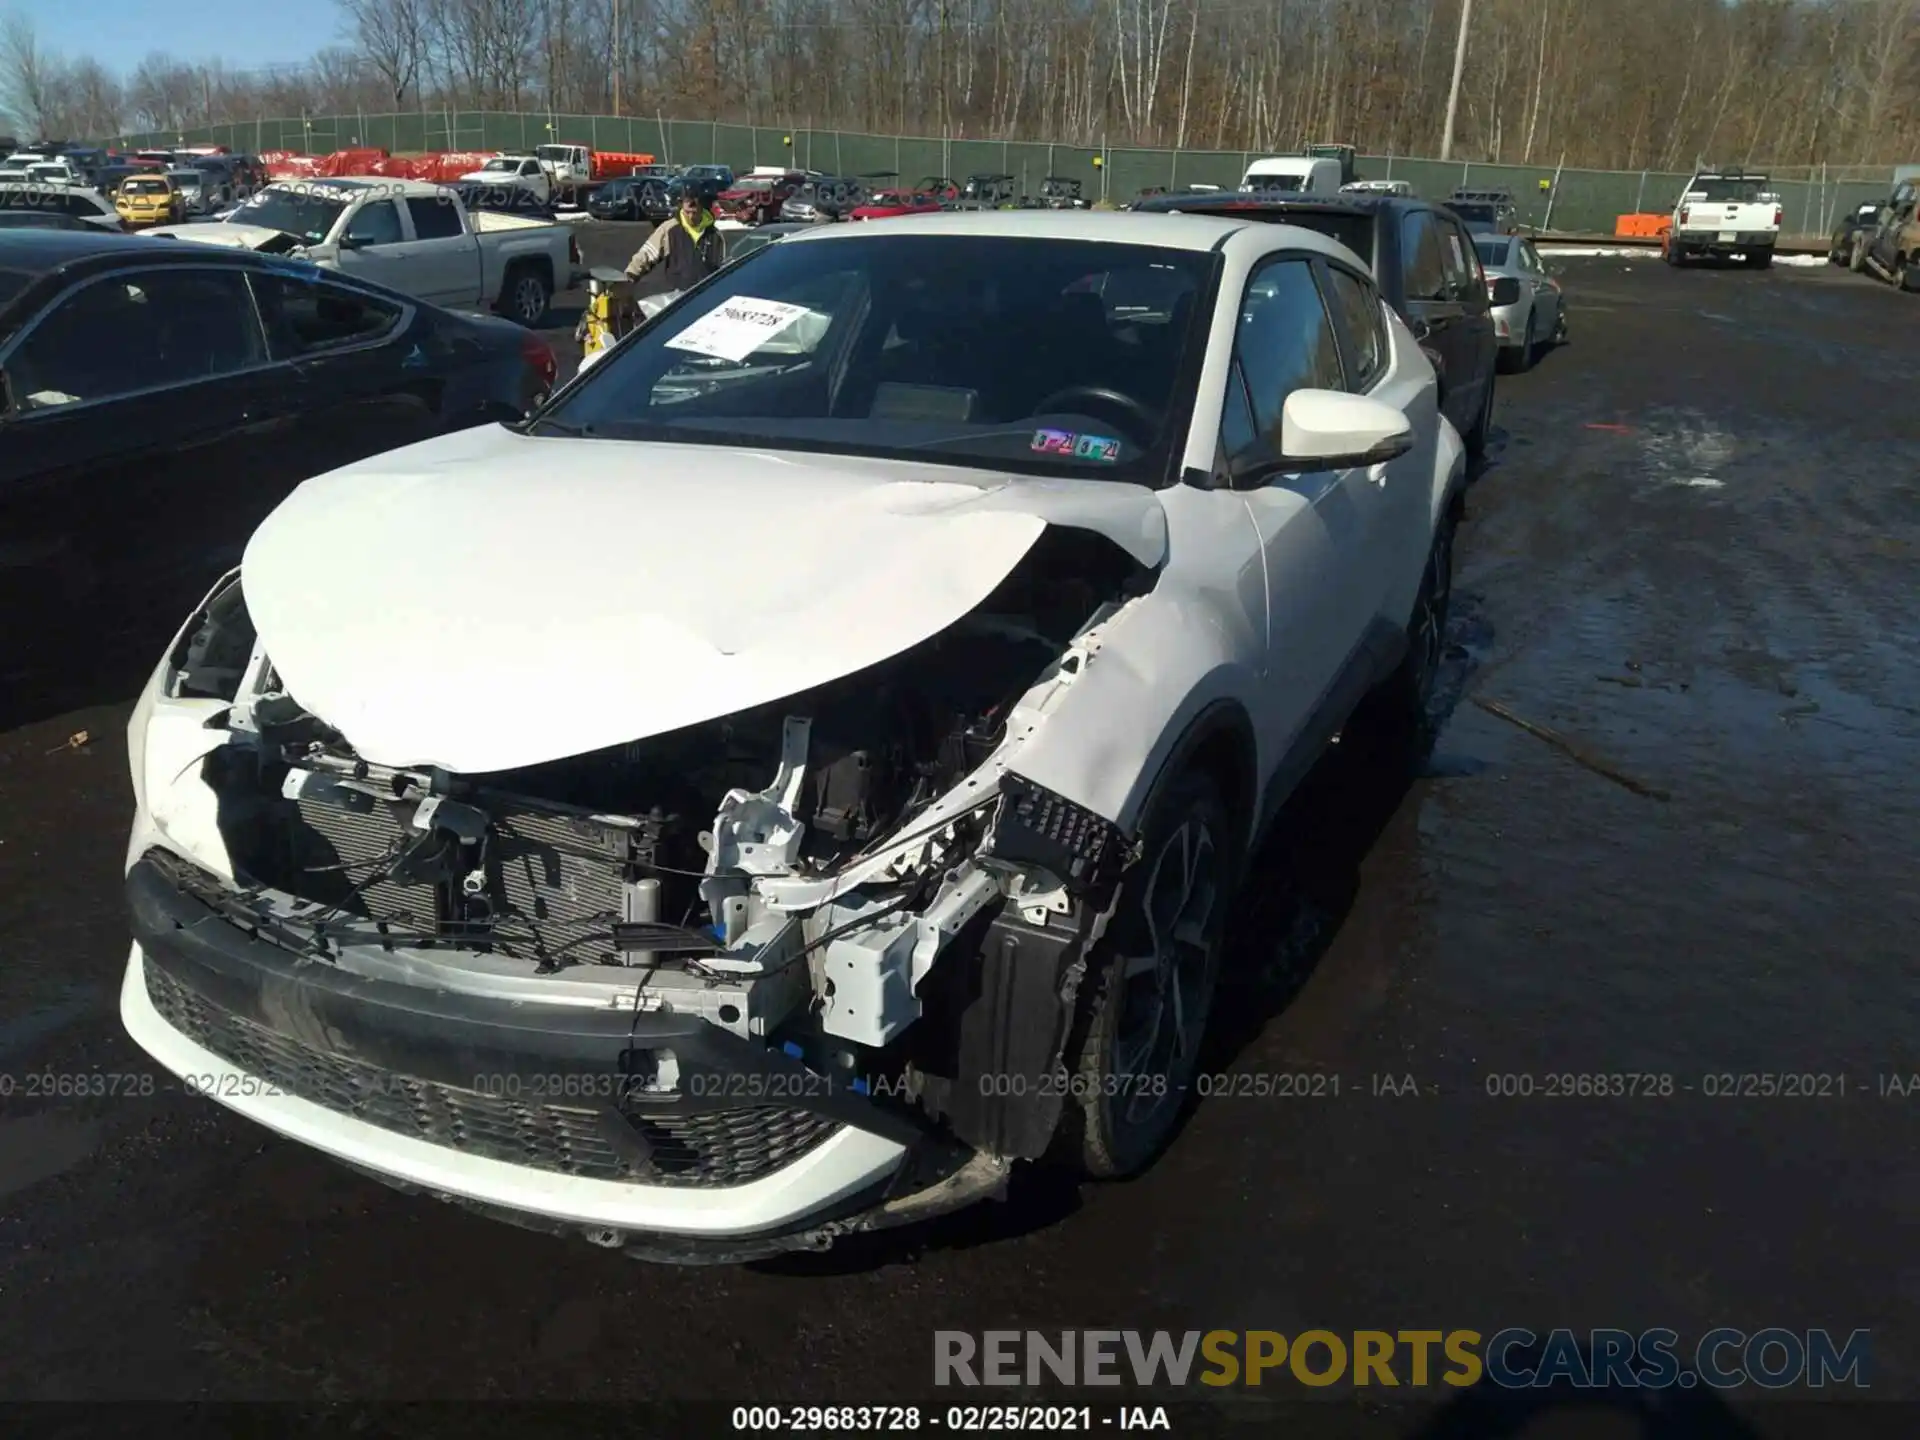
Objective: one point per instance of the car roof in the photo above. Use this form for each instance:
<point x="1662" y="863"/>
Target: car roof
<point x="1252" y="202"/>
<point x="345" y="187"/>
<point x="1117" y="227"/>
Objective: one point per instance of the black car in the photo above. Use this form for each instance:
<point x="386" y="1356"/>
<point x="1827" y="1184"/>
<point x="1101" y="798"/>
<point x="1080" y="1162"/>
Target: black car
<point x="1853" y="234"/>
<point x="1427" y="269"/>
<point x="633" y="197"/>
<point x="158" y="398"/>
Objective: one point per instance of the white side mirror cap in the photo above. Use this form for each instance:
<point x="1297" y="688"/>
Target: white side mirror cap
<point x="1328" y="429"/>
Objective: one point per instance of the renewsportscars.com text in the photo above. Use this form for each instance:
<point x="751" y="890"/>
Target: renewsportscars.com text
<point x="1773" y="1358"/>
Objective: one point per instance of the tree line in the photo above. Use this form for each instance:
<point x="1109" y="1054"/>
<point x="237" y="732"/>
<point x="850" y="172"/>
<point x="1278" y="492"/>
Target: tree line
<point x="1620" y="84"/>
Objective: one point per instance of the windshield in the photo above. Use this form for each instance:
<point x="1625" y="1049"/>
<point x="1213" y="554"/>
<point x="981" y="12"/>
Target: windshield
<point x="1273" y="182"/>
<point x="759" y="182"/>
<point x="1731" y="192"/>
<point x="1477" y="210"/>
<point x="495" y="167"/>
<point x="1038" y="356"/>
<point x="302" y="214"/>
<point x="1492" y="252"/>
<point x="145" y="187"/>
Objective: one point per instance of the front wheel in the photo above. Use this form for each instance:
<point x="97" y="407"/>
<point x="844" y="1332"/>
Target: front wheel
<point x="1152" y="981"/>
<point x="1857" y="257"/>
<point x="1760" y="259"/>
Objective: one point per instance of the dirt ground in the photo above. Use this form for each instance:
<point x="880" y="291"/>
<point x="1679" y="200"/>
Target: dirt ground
<point x="1690" y="561"/>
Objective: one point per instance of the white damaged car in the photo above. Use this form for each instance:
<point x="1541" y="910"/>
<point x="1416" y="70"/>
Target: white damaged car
<point x="802" y="772"/>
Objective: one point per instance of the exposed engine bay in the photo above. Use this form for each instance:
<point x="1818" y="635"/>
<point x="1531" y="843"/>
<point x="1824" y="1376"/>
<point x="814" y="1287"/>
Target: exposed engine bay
<point x="789" y="873"/>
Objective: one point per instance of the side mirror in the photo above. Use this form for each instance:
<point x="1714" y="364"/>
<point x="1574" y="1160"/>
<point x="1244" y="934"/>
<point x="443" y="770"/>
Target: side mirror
<point x="353" y="242"/>
<point x="1332" y="430"/>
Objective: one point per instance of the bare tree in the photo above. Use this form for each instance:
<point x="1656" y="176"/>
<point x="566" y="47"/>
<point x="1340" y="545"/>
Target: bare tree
<point x="393" y="36"/>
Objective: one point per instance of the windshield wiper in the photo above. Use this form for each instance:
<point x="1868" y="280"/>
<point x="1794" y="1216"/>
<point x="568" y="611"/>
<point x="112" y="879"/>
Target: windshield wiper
<point x="555" y="427"/>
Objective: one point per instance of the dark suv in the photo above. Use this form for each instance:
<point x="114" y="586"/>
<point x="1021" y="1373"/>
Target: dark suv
<point x="1424" y="262"/>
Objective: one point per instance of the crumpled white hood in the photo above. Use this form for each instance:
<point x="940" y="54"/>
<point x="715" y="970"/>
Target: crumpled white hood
<point x="488" y="600"/>
<point x="220" y="232"/>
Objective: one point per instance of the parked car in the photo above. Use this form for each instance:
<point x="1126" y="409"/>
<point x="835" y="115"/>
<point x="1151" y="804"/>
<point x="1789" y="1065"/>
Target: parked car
<point x="158" y="398"/>
<point x="1848" y="244"/>
<point x="505" y="200"/>
<point x="1488" y="212"/>
<point x="1722" y="214"/>
<point x="941" y="187"/>
<point x="720" y="177"/>
<point x="1377" y="187"/>
<point x="1893" y="246"/>
<point x="191" y="186"/>
<point x="758" y="199"/>
<point x="1529" y="305"/>
<point x="1427" y="269"/>
<point x="40" y="220"/>
<point x="890" y="204"/>
<point x="984" y="853"/>
<point x="71" y="202"/>
<point x="411" y="236"/>
<point x="149" y="199"/>
<point x="621" y="199"/>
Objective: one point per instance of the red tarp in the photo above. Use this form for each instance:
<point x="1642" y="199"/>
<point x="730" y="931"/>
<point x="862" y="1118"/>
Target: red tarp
<point x="441" y="168"/>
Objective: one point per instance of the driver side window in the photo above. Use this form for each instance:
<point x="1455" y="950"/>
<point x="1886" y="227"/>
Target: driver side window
<point x="377" y="223"/>
<point x="1285" y="342"/>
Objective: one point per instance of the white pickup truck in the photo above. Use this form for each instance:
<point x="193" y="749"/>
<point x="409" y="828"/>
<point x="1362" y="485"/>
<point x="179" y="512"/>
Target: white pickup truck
<point x="1724" y="214"/>
<point x="408" y="235"/>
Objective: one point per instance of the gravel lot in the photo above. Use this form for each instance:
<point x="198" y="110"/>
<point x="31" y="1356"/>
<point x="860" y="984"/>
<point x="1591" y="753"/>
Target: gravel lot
<point x="1691" y="557"/>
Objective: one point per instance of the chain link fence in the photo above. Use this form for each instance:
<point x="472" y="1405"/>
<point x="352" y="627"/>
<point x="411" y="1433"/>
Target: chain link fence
<point x="1567" y="201"/>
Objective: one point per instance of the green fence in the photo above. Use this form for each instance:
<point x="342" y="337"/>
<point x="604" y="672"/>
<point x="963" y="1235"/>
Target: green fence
<point x="1580" y="201"/>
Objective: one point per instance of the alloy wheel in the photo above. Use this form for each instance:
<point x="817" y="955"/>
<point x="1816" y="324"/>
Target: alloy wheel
<point x="1168" y="984"/>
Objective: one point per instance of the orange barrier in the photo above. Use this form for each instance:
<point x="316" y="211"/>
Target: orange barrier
<point x="1642" y="227"/>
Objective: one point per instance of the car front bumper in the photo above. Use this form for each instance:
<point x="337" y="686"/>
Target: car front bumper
<point x="526" y="1113"/>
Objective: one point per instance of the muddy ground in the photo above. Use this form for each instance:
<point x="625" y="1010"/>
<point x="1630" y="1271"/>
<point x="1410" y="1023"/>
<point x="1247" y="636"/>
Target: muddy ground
<point x="1692" y="557"/>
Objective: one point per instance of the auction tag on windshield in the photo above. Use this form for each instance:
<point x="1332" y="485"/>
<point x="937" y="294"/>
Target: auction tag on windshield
<point x="737" y="329"/>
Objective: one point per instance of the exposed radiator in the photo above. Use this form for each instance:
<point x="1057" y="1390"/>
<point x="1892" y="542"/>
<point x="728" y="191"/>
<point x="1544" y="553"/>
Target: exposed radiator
<point x="554" y="878"/>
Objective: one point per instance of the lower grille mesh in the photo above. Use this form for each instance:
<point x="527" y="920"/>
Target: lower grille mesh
<point x="710" y="1149"/>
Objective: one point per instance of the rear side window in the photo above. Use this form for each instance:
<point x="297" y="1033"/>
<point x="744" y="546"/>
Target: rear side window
<point x="433" y="218"/>
<point x="313" y="316"/>
<point x="1358" y="309"/>
<point x="1422" y="269"/>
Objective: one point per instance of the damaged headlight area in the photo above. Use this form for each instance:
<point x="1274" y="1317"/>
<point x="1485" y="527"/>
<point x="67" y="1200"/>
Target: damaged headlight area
<point x="793" y="875"/>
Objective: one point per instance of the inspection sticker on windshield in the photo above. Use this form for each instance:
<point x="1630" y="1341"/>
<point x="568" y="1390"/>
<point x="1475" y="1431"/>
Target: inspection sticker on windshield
<point x="1080" y="447"/>
<point x="737" y="329"/>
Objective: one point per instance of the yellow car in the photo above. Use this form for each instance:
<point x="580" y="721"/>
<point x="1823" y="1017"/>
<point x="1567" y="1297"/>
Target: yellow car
<point x="148" y="200"/>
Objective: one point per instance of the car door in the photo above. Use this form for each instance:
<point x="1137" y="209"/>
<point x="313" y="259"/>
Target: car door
<point x="443" y="254"/>
<point x="1476" y="339"/>
<point x="1316" y="528"/>
<point x="369" y="378"/>
<point x="376" y="247"/>
<point x="1436" y="315"/>
<point x="133" y="418"/>
<point x="1547" y="295"/>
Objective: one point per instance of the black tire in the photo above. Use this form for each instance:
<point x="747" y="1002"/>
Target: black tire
<point x="1476" y="438"/>
<point x="1397" y="721"/>
<point x="1904" y="277"/>
<point x="1857" y="257"/>
<point x="1760" y="259"/>
<point x="525" y="294"/>
<point x="1130" y="1089"/>
<point x="1674" y="255"/>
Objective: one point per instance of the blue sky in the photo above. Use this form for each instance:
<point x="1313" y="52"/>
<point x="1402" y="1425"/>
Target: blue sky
<point x="120" y="33"/>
